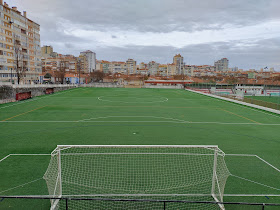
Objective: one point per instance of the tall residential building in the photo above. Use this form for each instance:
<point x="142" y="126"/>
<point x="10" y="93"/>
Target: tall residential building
<point x="18" y="30"/>
<point x="131" y="66"/>
<point x="221" y="65"/>
<point x="162" y="70"/>
<point x="103" y="66"/>
<point x="178" y="60"/>
<point x="91" y="58"/>
<point x="53" y="63"/>
<point x="171" y="69"/>
<point x="118" y="67"/>
<point x="153" y="67"/>
<point x="47" y="51"/>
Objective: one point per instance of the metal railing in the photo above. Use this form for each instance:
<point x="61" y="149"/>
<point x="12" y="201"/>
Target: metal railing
<point x="251" y="100"/>
<point x="164" y="203"/>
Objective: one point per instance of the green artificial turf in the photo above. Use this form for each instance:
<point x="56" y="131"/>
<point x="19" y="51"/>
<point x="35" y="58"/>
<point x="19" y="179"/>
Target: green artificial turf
<point x="272" y="99"/>
<point x="104" y="116"/>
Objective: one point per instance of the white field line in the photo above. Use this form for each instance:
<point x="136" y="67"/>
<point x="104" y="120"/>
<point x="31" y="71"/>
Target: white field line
<point x="141" y="195"/>
<point x="161" y="101"/>
<point x="252" y="195"/>
<point x="241" y="155"/>
<point x="268" y="163"/>
<point x="120" y="153"/>
<point x="239" y="177"/>
<point x="248" y="155"/>
<point x="210" y="147"/>
<point x="165" y="118"/>
<point x="36" y="98"/>
<point x="21" y="185"/>
<point x="4" y="158"/>
<point x="21" y="155"/>
<point x="89" y="121"/>
<point x="139" y="121"/>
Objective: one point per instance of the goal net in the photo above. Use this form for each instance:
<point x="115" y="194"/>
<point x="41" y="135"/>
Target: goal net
<point x="121" y="172"/>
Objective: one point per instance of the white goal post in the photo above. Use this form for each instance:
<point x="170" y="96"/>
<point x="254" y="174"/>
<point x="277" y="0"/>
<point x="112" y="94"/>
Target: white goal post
<point x="169" y="172"/>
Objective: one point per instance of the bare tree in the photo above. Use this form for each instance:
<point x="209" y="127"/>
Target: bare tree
<point x="20" y="64"/>
<point x="97" y="76"/>
<point x="61" y="71"/>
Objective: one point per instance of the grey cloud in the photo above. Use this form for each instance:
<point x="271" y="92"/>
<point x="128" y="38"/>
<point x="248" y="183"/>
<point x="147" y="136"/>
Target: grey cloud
<point x="264" y="53"/>
<point x="158" y="16"/>
<point x="69" y="45"/>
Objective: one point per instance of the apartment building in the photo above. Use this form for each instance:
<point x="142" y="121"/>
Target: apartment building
<point x="91" y="59"/>
<point x="131" y="66"/>
<point x="103" y="66"/>
<point x="70" y="63"/>
<point x="162" y="70"/>
<point x="118" y="67"/>
<point x="171" y="69"/>
<point x="153" y="67"/>
<point x="19" y="32"/>
<point x="221" y="65"/>
<point x="178" y="60"/>
<point x="47" y="51"/>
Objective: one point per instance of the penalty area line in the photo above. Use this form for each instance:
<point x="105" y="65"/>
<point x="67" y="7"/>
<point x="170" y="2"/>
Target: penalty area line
<point x="136" y="121"/>
<point x="22" y="155"/>
<point x="24" y="113"/>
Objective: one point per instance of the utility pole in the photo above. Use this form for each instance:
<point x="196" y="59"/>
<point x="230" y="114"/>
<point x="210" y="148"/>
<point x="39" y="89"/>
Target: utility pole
<point x="79" y="69"/>
<point x="11" y="22"/>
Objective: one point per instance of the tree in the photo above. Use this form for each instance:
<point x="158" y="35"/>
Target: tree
<point x="61" y="71"/>
<point x="20" y="64"/>
<point x="96" y="76"/>
<point x="48" y="76"/>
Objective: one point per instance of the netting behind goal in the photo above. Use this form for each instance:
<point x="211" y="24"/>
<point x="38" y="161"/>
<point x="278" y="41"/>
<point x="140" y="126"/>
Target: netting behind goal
<point x="197" y="173"/>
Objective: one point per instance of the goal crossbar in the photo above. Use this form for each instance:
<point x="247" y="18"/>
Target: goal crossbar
<point x="141" y="146"/>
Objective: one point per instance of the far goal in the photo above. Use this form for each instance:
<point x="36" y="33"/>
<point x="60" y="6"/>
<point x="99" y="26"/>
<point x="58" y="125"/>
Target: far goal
<point x="139" y="173"/>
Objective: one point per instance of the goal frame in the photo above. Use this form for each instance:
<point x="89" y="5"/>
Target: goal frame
<point x="215" y="183"/>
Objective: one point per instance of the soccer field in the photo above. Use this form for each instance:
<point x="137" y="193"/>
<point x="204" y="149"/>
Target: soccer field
<point x="104" y="116"/>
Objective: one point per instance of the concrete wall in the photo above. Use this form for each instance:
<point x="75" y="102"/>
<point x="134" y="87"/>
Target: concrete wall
<point x="163" y="86"/>
<point x="103" y="85"/>
<point x="8" y="92"/>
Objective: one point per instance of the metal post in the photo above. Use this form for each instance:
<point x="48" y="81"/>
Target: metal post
<point x="14" y="53"/>
<point x="59" y="172"/>
<point x="79" y="66"/>
<point x="214" y="173"/>
<point x="66" y="204"/>
<point x="164" y="205"/>
<point x="263" y="206"/>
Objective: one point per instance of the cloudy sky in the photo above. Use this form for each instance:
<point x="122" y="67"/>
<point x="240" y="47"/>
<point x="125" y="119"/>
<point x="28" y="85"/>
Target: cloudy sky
<point x="247" y="32"/>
